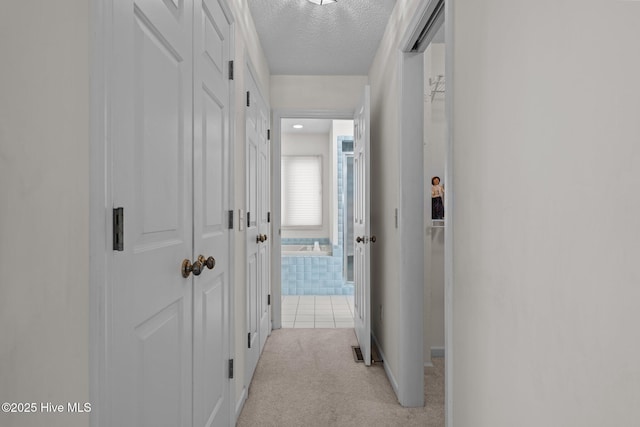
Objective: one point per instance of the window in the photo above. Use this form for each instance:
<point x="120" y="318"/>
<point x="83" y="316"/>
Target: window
<point x="301" y="191"/>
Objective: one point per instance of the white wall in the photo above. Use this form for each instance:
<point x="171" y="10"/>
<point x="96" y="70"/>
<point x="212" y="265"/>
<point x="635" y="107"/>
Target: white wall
<point x="435" y="145"/>
<point x="44" y="208"/>
<point x="316" y="92"/>
<point x="546" y="219"/>
<point x="311" y="144"/>
<point x="385" y="132"/>
<point x="247" y="47"/>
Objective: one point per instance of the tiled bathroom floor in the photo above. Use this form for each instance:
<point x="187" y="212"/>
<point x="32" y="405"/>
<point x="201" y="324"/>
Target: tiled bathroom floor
<point x="326" y="311"/>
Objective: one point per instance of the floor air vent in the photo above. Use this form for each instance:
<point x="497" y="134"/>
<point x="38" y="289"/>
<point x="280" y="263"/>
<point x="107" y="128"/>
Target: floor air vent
<point x="358" y="357"/>
<point x="357" y="353"/>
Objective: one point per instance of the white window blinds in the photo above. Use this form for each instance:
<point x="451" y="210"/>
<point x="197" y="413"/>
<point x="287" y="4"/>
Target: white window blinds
<point x="302" y="191"/>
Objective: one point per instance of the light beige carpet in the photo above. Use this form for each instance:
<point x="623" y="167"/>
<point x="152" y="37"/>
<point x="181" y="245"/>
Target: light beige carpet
<point x="308" y="377"/>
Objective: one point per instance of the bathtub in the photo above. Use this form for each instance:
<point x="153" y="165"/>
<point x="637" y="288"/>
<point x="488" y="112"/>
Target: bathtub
<point x="305" y="250"/>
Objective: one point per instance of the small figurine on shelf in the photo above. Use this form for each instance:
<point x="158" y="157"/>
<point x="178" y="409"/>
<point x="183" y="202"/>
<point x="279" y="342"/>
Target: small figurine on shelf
<point x="437" y="195"/>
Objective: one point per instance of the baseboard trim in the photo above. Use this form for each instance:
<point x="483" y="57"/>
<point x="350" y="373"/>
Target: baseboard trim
<point x="437" y="351"/>
<point x="387" y="369"/>
<point x="240" y="402"/>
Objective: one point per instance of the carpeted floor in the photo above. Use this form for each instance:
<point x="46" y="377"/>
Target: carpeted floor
<point x="307" y="377"/>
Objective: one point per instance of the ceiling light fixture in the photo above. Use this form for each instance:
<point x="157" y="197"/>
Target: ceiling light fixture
<point x="298" y="126"/>
<point x="323" y="2"/>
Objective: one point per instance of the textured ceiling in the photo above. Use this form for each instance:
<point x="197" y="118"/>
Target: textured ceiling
<point x="301" y="38"/>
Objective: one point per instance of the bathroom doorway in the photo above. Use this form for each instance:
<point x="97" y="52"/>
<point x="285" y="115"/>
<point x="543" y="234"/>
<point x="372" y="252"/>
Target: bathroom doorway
<point x="316" y="179"/>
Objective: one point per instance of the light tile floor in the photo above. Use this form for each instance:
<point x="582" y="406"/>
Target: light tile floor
<point x="326" y="311"/>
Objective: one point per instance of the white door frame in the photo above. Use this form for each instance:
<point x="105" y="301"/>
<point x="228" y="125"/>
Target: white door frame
<point x="100" y="225"/>
<point x="412" y="250"/>
<point x="276" y="214"/>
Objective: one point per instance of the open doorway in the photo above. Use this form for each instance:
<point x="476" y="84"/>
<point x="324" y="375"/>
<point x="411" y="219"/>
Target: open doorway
<point x="435" y="147"/>
<point x="316" y="198"/>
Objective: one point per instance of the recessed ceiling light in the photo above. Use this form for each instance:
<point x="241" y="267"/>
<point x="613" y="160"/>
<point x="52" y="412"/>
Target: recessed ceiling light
<point x="298" y="126"/>
<point x="321" y="2"/>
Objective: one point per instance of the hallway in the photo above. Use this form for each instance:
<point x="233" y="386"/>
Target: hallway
<point x="309" y="377"/>
<point x="124" y="157"/>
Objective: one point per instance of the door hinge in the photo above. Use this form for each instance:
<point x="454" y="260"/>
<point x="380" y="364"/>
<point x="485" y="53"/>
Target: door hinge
<point x="118" y="229"/>
<point x="268" y="134"/>
<point x="230" y="70"/>
<point x="230" y="220"/>
<point x="248" y="219"/>
<point x="230" y="368"/>
<point x="248" y="99"/>
<point x="269" y="299"/>
<point x="249" y="340"/>
<point x="268" y="216"/>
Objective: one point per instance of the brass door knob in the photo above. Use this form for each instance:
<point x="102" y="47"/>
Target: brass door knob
<point x="359" y="239"/>
<point x="188" y="268"/>
<point x="261" y="238"/>
<point x="210" y="262"/>
<point x="264" y="236"/>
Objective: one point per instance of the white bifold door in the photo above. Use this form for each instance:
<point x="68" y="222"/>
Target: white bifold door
<point x="167" y="309"/>
<point x="362" y="227"/>
<point x="258" y="234"/>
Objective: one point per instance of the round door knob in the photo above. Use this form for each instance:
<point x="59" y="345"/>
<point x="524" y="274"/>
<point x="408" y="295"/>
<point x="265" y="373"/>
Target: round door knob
<point x="210" y="262"/>
<point x="259" y="238"/>
<point x="359" y="239"/>
<point x="188" y="268"/>
<point x="265" y="237"/>
<point x="373" y="239"/>
<point x="197" y="268"/>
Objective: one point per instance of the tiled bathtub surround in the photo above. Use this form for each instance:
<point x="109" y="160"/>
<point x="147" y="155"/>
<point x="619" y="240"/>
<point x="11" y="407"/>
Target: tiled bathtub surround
<point x="313" y="275"/>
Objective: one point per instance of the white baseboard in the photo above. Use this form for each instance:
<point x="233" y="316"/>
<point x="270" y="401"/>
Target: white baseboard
<point x="435" y="352"/>
<point x="240" y="402"/>
<point x="387" y="369"/>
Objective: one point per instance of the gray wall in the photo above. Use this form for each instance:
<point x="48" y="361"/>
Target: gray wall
<point x="546" y="166"/>
<point x="44" y="208"/>
<point x="384" y="78"/>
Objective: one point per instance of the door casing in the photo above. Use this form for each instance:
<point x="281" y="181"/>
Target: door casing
<point x="276" y="214"/>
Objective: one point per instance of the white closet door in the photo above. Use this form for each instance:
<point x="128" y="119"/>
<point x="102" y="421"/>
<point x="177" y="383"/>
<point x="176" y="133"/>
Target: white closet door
<point x="150" y="307"/>
<point x="211" y="384"/>
<point x="168" y="335"/>
<point x="258" y="226"/>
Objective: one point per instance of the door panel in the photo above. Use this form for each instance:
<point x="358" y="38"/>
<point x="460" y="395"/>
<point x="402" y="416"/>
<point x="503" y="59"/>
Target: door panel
<point x="159" y="341"/>
<point x="159" y="90"/>
<point x="211" y="341"/>
<point x="150" y="306"/>
<point x="361" y="229"/>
